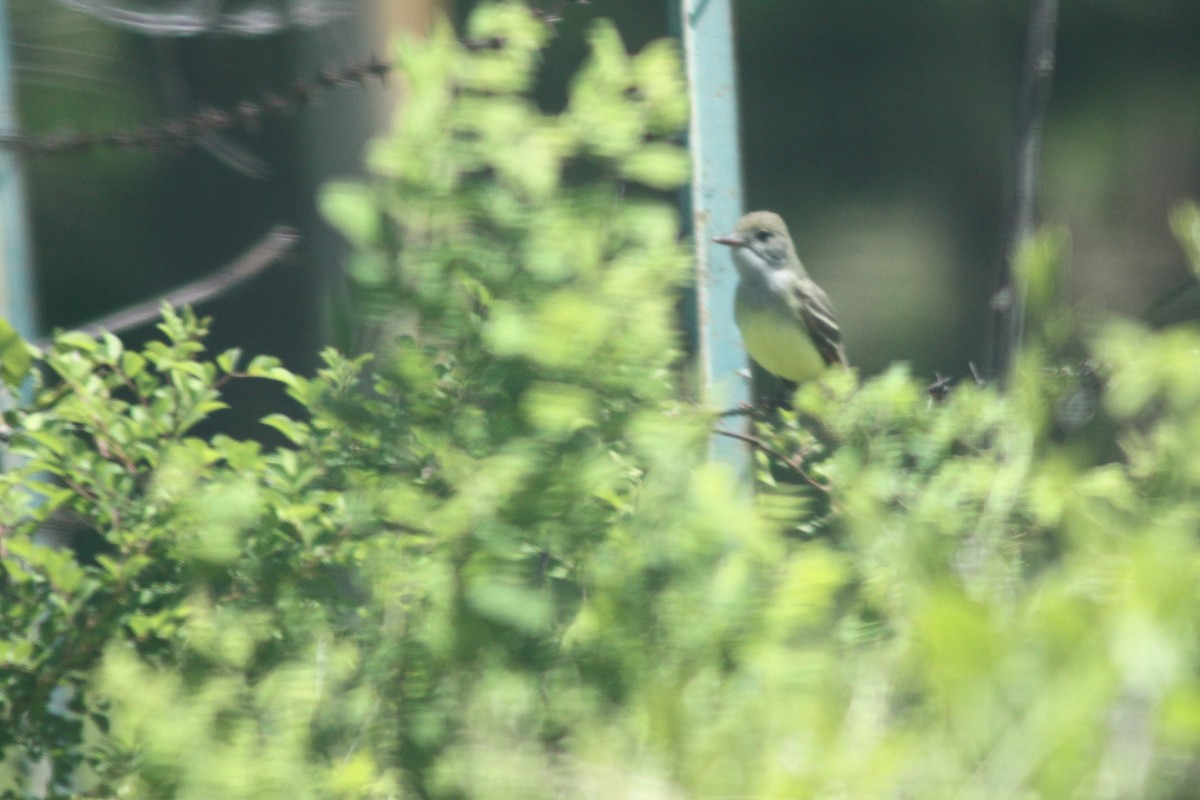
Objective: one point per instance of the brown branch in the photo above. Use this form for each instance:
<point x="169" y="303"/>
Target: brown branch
<point x="744" y="410"/>
<point x="792" y="462"/>
<point x="277" y="243"/>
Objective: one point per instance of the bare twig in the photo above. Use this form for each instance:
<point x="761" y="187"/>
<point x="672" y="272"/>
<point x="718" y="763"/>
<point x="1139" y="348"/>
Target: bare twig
<point x="744" y="410"/>
<point x="939" y="390"/>
<point x="791" y="461"/>
<point x="1036" y="76"/>
<point x="277" y="243"/>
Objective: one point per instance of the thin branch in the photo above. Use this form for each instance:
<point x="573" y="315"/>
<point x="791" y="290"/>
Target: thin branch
<point x="744" y="410"/>
<point x="277" y="243"/>
<point x="221" y="147"/>
<point x="1036" y="75"/>
<point x="792" y="462"/>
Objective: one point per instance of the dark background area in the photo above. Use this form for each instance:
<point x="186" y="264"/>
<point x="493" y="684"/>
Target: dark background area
<point x="113" y="228"/>
<point x="880" y="130"/>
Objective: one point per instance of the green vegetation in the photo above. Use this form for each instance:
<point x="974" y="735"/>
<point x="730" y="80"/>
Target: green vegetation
<point x="495" y="563"/>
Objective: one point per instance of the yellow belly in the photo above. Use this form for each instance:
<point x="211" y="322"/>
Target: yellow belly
<point x="781" y="345"/>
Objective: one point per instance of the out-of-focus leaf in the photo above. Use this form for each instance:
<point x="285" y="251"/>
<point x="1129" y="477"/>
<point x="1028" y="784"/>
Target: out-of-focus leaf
<point x="16" y="356"/>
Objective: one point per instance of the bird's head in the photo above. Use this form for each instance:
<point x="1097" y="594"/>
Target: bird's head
<point x="761" y="244"/>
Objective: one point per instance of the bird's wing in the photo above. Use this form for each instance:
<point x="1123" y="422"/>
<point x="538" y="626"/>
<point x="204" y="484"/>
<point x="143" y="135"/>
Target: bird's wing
<point x="811" y="302"/>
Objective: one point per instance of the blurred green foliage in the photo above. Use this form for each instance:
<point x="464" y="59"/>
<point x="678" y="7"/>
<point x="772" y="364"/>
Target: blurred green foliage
<point x="494" y="562"/>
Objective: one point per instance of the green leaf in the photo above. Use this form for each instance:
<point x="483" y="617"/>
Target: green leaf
<point x="352" y="209"/>
<point x="16" y="356"/>
<point x="558" y="407"/>
<point x="658" y="165"/>
<point x="1185" y="224"/>
<point x="659" y="80"/>
<point x="112" y="347"/>
<point x="295" y="431"/>
<point x="132" y="364"/>
<point x="506" y="39"/>
<point x="228" y="360"/>
<point x="77" y="340"/>
<point x="511" y="604"/>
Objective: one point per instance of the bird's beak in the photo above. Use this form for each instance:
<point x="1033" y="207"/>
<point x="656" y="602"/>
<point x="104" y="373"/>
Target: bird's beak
<point x="731" y="239"/>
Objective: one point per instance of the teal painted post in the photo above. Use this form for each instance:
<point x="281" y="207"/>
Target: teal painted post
<point x="714" y="203"/>
<point x="16" y="297"/>
<point x="16" y="283"/>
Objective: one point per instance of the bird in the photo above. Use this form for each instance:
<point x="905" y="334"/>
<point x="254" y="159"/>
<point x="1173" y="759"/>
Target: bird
<point x="786" y="320"/>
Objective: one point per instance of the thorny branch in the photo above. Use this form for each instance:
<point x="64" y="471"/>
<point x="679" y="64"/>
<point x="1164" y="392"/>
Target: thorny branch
<point x="182" y="133"/>
<point x="185" y="132"/>
<point x="191" y="130"/>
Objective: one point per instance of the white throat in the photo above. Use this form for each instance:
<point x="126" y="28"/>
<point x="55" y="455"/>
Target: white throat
<point x="751" y="263"/>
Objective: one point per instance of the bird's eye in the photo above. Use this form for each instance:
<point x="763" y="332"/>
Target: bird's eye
<point x="763" y="236"/>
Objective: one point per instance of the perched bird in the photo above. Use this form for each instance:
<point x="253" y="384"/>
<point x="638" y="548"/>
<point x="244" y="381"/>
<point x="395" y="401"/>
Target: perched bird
<point x="786" y="320"/>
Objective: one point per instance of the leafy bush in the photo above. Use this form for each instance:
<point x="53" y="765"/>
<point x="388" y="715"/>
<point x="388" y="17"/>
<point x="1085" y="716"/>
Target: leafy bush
<point x="494" y="561"/>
